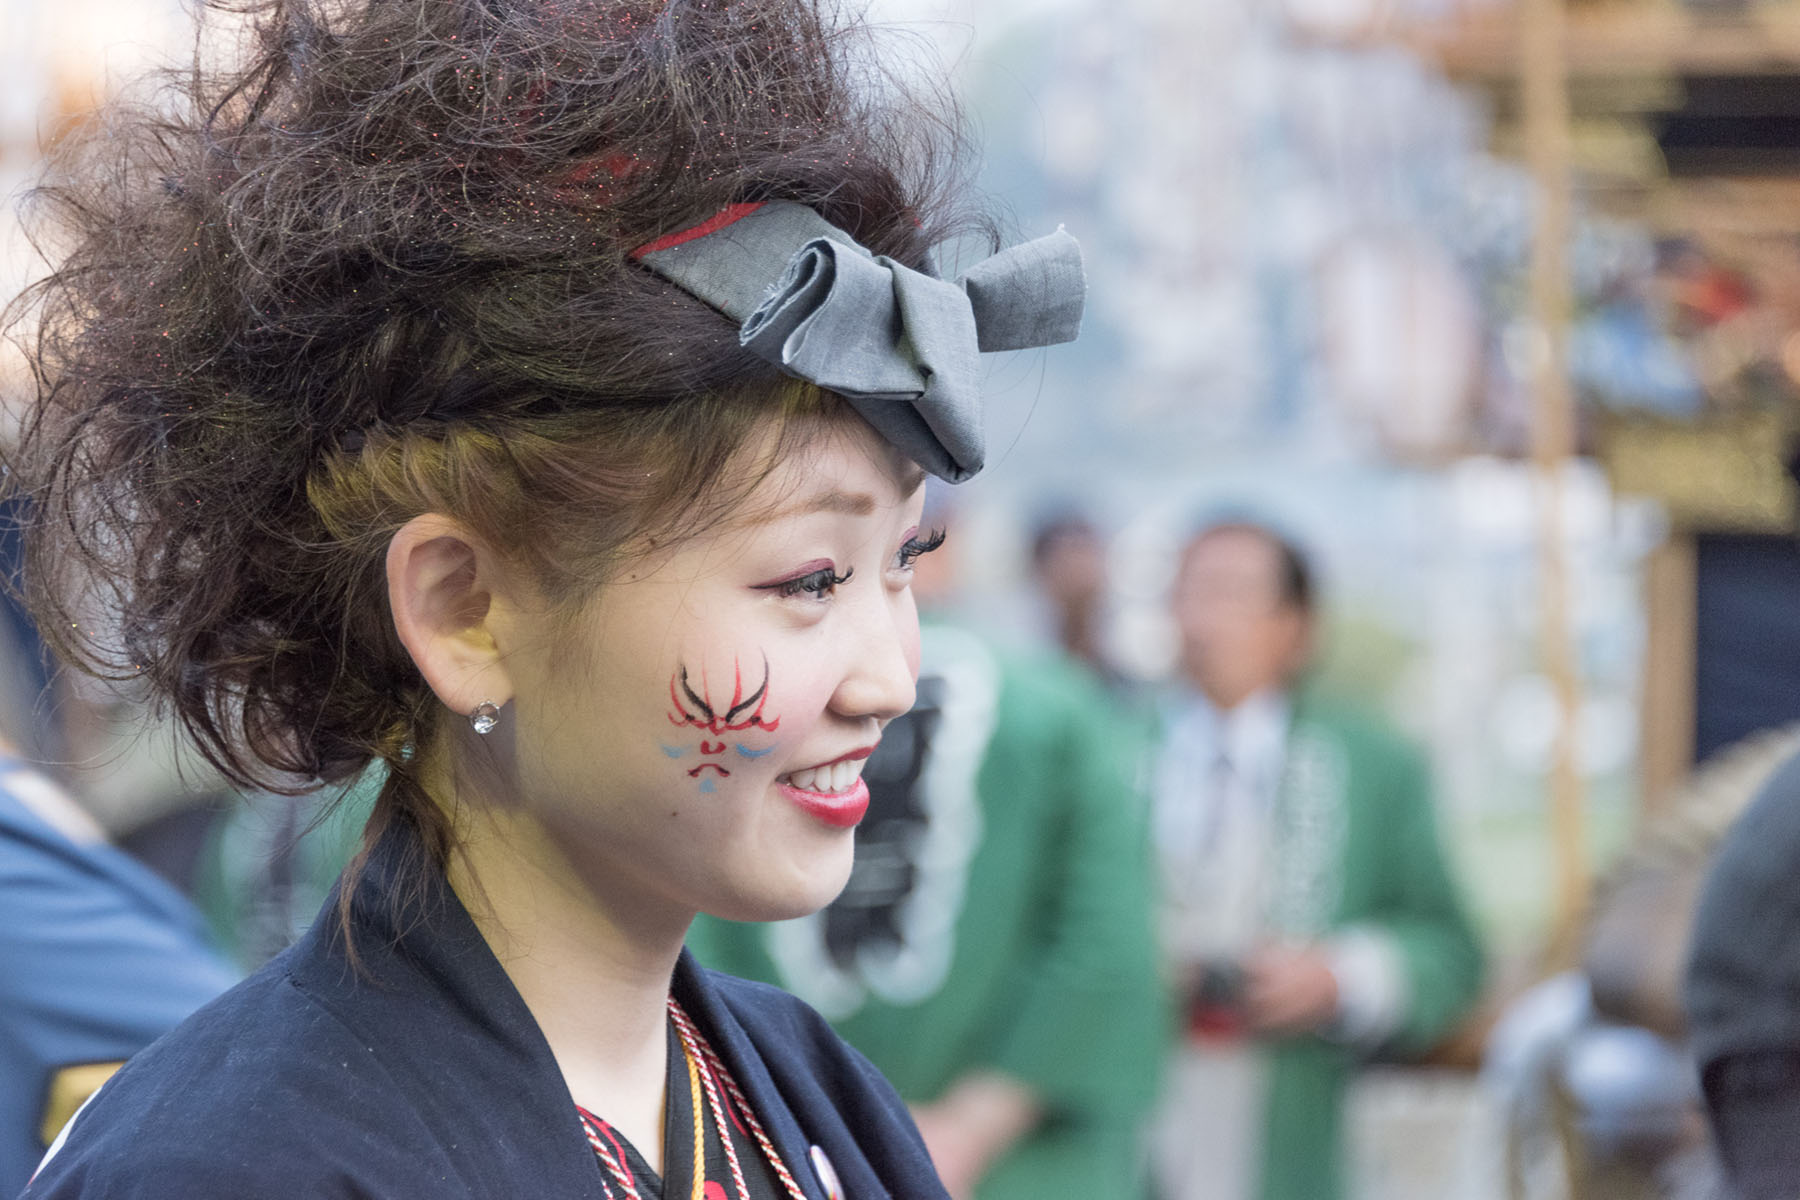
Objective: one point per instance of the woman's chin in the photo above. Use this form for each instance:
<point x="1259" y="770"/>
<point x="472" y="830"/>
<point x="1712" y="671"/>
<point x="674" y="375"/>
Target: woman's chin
<point x="800" y="896"/>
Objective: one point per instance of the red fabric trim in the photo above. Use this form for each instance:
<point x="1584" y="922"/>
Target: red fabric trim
<point x="728" y="215"/>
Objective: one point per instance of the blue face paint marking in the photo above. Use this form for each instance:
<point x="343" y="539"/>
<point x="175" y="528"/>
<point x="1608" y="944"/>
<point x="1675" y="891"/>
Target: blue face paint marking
<point x="674" y="751"/>
<point x="747" y="752"/>
<point x="706" y="785"/>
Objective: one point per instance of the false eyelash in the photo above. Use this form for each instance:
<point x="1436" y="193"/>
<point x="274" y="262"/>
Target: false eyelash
<point x="916" y="546"/>
<point x="817" y="582"/>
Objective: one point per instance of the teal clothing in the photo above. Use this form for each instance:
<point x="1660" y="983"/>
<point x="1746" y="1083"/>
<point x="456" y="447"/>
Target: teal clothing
<point x="271" y="861"/>
<point x="1355" y="846"/>
<point x="1019" y="935"/>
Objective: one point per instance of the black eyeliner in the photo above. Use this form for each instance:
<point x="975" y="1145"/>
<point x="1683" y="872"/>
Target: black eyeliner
<point x="813" y="581"/>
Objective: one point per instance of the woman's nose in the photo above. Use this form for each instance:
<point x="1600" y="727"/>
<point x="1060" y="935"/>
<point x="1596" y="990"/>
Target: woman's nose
<point x="881" y="669"/>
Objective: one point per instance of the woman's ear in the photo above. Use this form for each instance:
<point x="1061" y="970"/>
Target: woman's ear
<point x="442" y="584"/>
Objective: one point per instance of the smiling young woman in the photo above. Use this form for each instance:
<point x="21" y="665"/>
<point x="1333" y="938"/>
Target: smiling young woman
<point x="533" y="399"/>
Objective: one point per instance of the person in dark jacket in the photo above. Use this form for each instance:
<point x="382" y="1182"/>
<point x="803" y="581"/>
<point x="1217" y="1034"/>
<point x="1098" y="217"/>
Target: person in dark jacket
<point x="1742" y="978"/>
<point x="532" y="398"/>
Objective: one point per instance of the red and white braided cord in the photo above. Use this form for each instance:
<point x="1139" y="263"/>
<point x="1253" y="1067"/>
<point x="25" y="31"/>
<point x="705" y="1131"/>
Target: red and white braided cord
<point x="618" y="1170"/>
<point x="707" y="1080"/>
<point x="703" y="1049"/>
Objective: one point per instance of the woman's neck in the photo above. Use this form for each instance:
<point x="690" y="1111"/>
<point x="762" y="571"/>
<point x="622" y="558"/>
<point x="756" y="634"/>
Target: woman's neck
<point x="595" y="974"/>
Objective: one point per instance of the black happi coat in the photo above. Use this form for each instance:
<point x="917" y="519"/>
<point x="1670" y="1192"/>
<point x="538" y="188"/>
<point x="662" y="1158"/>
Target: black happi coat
<point x="425" y="1076"/>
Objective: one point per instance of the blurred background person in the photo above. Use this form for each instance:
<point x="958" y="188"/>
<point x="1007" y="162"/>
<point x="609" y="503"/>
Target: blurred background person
<point x="98" y="957"/>
<point x="1309" y="917"/>
<point x="993" y="951"/>
<point x="1743" y="993"/>
<point x="1068" y="575"/>
<point x="1593" y="1069"/>
<point x="269" y="862"/>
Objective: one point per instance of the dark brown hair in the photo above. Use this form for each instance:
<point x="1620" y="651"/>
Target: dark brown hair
<point x="1294" y="588"/>
<point x="381" y="267"/>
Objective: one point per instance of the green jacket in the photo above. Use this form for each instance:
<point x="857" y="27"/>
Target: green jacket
<point x="1028" y="943"/>
<point x="1356" y="845"/>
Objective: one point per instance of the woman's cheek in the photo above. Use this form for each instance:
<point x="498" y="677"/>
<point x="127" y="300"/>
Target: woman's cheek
<point x="907" y="623"/>
<point x="802" y="697"/>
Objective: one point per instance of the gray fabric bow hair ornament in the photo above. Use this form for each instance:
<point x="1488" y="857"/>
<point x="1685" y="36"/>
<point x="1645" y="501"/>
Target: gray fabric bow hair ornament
<point x="902" y="346"/>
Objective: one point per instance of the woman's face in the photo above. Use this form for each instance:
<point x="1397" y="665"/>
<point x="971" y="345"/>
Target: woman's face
<point x="697" y="742"/>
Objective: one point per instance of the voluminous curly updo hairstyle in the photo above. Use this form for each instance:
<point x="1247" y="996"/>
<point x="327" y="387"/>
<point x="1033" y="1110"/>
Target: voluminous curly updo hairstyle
<point x="380" y="267"/>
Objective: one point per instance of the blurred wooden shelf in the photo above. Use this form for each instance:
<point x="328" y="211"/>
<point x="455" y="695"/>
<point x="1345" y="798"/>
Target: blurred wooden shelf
<point x="1726" y="208"/>
<point x="1632" y="65"/>
<point x="1613" y="40"/>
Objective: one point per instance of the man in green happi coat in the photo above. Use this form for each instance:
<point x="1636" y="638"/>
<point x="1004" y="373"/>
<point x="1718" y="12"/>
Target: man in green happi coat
<point x="1309" y="919"/>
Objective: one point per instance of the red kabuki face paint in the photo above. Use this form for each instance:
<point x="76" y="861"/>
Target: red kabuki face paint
<point x="701" y="740"/>
<point x="697" y="709"/>
<point x="691" y="709"/>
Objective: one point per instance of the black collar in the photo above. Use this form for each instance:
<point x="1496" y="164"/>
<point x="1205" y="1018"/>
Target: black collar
<point x="438" y="1011"/>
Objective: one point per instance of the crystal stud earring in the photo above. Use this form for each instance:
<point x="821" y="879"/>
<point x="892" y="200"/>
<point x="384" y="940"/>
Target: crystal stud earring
<point x="485" y="717"/>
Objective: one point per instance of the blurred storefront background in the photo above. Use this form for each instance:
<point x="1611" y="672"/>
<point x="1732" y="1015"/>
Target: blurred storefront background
<point x="1309" y="253"/>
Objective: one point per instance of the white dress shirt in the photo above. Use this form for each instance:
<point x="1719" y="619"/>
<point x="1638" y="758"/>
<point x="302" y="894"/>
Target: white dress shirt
<point x="1217" y="781"/>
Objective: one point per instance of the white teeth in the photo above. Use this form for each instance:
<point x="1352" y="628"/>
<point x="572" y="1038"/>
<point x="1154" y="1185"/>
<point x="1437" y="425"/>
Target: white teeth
<point x="838" y="777"/>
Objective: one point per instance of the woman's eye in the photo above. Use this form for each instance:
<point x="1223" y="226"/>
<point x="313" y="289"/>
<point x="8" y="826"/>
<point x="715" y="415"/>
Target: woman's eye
<point x="915" y="546"/>
<point x="817" y="584"/>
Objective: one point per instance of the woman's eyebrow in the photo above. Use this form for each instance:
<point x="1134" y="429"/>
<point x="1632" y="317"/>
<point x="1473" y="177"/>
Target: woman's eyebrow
<point x="852" y="504"/>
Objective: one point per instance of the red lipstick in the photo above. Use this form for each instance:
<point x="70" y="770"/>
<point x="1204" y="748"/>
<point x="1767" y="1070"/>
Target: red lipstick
<point x="840" y="810"/>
